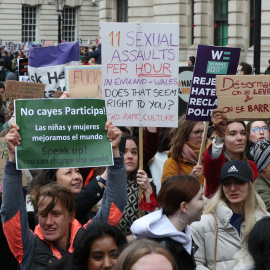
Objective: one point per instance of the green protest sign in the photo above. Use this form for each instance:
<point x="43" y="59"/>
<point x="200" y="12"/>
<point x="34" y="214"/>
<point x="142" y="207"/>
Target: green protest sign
<point x="58" y="133"/>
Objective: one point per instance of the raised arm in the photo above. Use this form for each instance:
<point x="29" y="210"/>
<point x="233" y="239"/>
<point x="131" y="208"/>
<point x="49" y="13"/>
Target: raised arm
<point x="20" y="238"/>
<point x="115" y="196"/>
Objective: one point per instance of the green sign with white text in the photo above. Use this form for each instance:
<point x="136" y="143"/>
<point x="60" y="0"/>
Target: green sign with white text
<point x="58" y="133"/>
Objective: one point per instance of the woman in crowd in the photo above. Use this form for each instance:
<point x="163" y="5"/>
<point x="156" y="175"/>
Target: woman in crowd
<point x="185" y="148"/>
<point x="85" y="198"/>
<point x="230" y="143"/>
<point x="211" y="133"/>
<point x="257" y="130"/>
<point x="135" y="179"/>
<point x="261" y="155"/>
<point x="145" y="254"/>
<point x="57" y="233"/>
<point x="182" y="202"/>
<point x="99" y="249"/>
<point x="228" y="218"/>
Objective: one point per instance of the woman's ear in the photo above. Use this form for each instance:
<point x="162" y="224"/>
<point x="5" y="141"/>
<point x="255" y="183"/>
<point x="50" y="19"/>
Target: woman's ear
<point x="183" y="206"/>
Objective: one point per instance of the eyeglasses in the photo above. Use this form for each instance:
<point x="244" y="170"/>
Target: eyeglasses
<point x="198" y="133"/>
<point x="258" y="129"/>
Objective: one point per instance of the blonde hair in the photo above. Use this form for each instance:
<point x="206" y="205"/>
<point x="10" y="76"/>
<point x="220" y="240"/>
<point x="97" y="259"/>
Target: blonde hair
<point x="139" y="248"/>
<point x="251" y="203"/>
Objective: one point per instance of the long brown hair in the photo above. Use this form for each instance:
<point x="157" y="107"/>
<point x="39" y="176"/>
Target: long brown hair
<point x="180" y="135"/>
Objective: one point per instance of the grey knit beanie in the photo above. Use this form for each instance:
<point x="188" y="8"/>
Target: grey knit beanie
<point x="11" y="77"/>
<point x="261" y="153"/>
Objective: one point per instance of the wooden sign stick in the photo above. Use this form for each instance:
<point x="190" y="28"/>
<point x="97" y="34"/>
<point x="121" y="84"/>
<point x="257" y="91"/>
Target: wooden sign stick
<point x="140" y="164"/>
<point x="203" y="142"/>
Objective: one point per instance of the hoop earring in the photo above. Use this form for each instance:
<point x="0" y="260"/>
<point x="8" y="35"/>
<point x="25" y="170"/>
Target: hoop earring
<point x="185" y="222"/>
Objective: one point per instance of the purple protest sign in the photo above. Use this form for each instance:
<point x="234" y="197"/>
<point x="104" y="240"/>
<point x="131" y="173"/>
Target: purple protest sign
<point x="210" y="61"/>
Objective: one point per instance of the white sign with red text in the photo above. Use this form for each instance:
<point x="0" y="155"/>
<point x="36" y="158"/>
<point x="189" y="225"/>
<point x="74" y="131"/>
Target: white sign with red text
<point x="140" y="64"/>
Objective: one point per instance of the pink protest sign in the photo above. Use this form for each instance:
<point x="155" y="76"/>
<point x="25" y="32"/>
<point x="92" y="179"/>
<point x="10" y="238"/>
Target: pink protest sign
<point x="83" y="81"/>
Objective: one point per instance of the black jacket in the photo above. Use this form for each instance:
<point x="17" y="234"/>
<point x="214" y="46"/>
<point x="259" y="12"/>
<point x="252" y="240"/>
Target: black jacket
<point x="184" y="260"/>
<point x="96" y="54"/>
<point x="43" y="255"/>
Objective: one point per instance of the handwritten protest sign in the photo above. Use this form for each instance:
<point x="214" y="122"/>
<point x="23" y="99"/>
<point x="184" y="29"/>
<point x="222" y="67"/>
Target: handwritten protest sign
<point x="185" y="80"/>
<point x="210" y="61"/>
<point x="58" y="94"/>
<point x="140" y="73"/>
<point x="23" y="90"/>
<point x="22" y="66"/>
<point x="62" y="133"/>
<point x="244" y="97"/>
<point x="48" y="43"/>
<point x="83" y="81"/>
<point x="3" y="157"/>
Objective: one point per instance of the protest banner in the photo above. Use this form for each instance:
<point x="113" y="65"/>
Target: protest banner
<point x="184" y="87"/>
<point x="47" y="65"/>
<point x="23" y="90"/>
<point x="140" y="73"/>
<point x="244" y="97"/>
<point x="210" y="61"/>
<point x="23" y="78"/>
<point x="27" y="45"/>
<point x="80" y="41"/>
<point x="22" y="66"/>
<point x="84" y="81"/>
<point x="3" y="159"/>
<point x="62" y="133"/>
<point x="48" y="43"/>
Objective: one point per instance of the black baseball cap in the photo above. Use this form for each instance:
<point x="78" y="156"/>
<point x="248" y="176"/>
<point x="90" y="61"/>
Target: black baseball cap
<point x="238" y="169"/>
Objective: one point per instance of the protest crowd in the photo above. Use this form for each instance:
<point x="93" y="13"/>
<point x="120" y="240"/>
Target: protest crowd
<point x="181" y="197"/>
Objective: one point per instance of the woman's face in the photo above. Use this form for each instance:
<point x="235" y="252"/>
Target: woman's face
<point x="195" y="206"/>
<point x="235" y="191"/>
<point x="235" y="139"/>
<point x="103" y="254"/>
<point x="70" y="177"/>
<point x="195" y="136"/>
<point x="258" y="130"/>
<point x="131" y="156"/>
<point x="152" y="261"/>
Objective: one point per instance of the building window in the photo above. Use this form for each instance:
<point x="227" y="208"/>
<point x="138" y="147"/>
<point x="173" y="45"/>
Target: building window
<point x="221" y="22"/>
<point x="122" y="10"/>
<point x="69" y="24"/>
<point x="252" y="18"/>
<point x="29" y="23"/>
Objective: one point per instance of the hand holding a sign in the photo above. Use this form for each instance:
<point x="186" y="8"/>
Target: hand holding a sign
<point x="144" y="182"/>
<point x="196" y="171"/>
<point x="114" y="135"/>
<point x="219" y="120"/>
<point x="13" y="139"/>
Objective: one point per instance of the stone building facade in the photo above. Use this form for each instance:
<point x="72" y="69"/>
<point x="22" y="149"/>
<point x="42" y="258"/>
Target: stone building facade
<point x="34" y="20"/>
<point x="200" y="22"/>
<point x="207" y="22"/>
